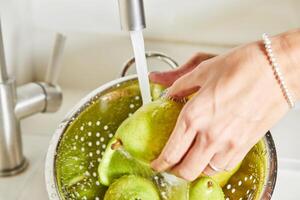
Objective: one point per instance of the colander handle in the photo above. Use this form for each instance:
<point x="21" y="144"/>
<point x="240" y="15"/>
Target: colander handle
<point x="160" y="56"/>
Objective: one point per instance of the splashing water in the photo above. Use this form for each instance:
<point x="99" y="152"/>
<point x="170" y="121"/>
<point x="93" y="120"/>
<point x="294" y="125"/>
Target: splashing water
<point x="137" y="40"/>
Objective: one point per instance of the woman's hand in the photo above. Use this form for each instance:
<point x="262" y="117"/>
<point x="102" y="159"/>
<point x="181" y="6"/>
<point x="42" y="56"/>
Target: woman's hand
<point x="236" y="101"/>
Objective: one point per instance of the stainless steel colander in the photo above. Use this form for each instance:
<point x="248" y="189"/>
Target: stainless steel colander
<point x="80" y="140"/>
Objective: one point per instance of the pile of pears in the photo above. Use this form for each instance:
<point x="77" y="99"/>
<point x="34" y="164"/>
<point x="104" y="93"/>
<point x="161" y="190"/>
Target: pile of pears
<point x="125" y="166"/>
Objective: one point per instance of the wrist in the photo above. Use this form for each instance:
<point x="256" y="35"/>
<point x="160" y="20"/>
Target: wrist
<point x="287" y="50"/>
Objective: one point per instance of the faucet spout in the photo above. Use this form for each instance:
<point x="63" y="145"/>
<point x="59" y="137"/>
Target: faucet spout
<point x="132" y="15"/>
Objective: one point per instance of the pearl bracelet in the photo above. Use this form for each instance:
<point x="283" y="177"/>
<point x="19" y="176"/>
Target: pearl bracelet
<point x="277" y="71"/>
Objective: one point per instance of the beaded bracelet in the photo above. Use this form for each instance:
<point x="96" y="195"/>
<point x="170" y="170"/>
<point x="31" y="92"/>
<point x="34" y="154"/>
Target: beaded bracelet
<point x="277" y="72"/>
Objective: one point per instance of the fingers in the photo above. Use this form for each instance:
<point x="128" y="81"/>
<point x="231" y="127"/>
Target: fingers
<point x="196" y="159"/>
<point x="222" y="160"/>
<point x="237" y="158"/>
<point x="165" y="78"/>
<point x="184" y="86"/>
<point x="240" y="154"/>
<point x="169" y="77"/>
<point x="177" y="145"/>
<point x="179" y="142"/>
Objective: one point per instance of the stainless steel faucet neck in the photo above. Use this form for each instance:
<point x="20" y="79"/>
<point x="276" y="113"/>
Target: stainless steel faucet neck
<point x="21" y="102"/>
<point x="132" y="15"/>
<point x="3" y="72"/>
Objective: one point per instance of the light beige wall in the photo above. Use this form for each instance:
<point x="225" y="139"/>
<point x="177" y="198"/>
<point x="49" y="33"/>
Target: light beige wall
<point x="94" y="36"/>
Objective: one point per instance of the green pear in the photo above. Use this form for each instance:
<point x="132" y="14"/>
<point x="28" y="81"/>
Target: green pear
<point x="205" y="188"/>
<point x="132" y="187"/>
<point x="116" y="162"/>
<point x="145" y="133"/>
<point x="139" y="140"/>
<point x="156" y="91"/>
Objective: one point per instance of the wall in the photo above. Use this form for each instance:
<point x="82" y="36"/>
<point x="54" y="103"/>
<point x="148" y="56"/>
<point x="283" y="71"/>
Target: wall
<point x="92" y="27"/>
<point x="17" y="30"/>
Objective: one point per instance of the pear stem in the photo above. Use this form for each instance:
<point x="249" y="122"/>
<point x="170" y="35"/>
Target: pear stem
<point x="209" y="184"/>
<point x="117" y="145"/>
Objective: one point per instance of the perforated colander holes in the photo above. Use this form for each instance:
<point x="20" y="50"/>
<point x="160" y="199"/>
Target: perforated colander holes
<point x="249" y="192"/>
<point x="85" y="137"/>
<point x="134" y="104"/>
<point x="85" y="140"/>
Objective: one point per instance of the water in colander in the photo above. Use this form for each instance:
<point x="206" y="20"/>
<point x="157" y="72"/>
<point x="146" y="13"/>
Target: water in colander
<point x="83" y="143"/>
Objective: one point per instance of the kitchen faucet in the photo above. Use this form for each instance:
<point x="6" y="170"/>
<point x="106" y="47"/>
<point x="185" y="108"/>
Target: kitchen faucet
<point x="17" y="103"/>
<point x="132" y="15"/>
